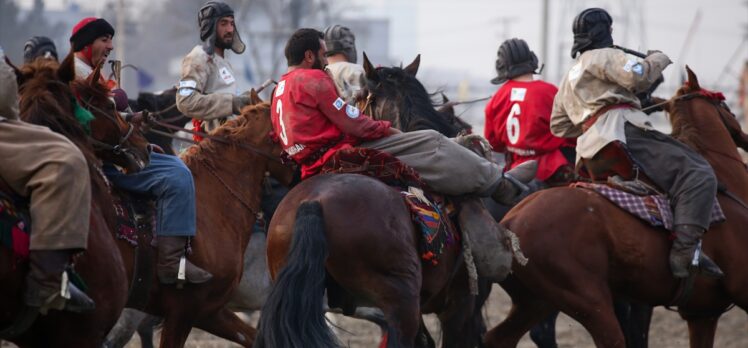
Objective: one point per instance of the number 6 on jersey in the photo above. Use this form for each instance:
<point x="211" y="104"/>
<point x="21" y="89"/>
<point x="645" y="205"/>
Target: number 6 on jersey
<point x="512" y="124"/>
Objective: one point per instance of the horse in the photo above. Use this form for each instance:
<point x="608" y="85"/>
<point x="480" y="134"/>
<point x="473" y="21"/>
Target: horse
<point x="325" y="237"/>
<point x="46" y="99"/>
<point x="228" y="178"/>
<point x="584" y="251"/>
<point x="163" y="104"/>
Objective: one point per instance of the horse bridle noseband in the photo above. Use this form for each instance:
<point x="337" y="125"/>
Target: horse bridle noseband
<point x="120" y="148"/>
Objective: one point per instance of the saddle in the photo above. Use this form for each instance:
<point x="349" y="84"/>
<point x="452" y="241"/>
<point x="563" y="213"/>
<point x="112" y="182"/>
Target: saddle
<point x="432" y="213"/>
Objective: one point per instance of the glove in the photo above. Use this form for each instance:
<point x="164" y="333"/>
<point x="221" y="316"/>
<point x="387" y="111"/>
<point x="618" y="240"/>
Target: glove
<point x="120" y="99"/>
<point x="240" y="101"/>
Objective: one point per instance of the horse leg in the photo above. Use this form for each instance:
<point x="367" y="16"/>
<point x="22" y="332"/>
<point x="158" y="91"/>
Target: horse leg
<point x="701" y="330"/>
<point x="544" y="334"/>
<point x="634" y="319"/>
<point x="226" y="324"/>
<point x="521" y="318"/>
<point x="145" y="330"/>
<point x="177" y="327"/>
<point x="592" y="306"/>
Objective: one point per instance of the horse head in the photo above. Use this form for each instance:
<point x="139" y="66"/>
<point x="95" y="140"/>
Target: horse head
<point x="248" y="136"/>
<point x="114" y="140"/>
<point x="394" y="94"/>
<point x="702" y="120"/>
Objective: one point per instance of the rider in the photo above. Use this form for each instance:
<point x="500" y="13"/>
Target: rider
<point x="166" y="177"/>
<point x="39" y="46"/>
<point x="52" y="173"/>
<point x="597" y="103"/>
<point x="207" y="86"/>
<point x="518" y="116"/>
<point x="348" y="76"/>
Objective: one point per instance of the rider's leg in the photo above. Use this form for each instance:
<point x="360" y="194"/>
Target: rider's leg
<point x="170" y="181"/>
<point x="54" y="175"/>
<point x="691" y="186"/>
<point x="449" y="168"/>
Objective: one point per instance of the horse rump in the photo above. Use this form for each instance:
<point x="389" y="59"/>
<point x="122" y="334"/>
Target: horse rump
<point x="293" y="315"/>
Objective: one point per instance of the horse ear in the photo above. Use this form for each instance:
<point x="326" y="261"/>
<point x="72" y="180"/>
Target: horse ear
<point x="66" y="71"/>
<point x="19" y="76"/>
<point x="412" y="68"/>
<point x="447" y="107"/>
<point x="96" y="75"/>
<point x="254" y="98"/>
<point x="371" y="72"/>
<point x="693" y="82"/>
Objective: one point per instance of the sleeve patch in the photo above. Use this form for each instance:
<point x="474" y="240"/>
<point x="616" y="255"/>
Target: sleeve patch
<point x="338" y="103"/>
<point x="186" y="91"/>
<point x="280" y="89"/>
<point x="638" y="69"/>
<point x="351" y="111"/>
<point x="187" y="84"/>
<point x="629" y="65"/>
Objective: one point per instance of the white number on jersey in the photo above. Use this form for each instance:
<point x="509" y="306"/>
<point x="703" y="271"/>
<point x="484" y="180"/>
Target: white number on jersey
<point x="512" y="124"/>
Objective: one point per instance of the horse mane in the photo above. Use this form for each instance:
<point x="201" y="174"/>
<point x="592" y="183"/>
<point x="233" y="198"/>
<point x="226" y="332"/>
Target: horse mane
<point x="47" y="101"/>
<point x="683" y="130"/>
<point x="418" y="111"/>
<point x="235" y="131"/>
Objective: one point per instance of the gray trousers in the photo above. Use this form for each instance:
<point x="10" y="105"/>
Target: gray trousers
<point x="443" y="164"/>
<point x="686" y="177"/>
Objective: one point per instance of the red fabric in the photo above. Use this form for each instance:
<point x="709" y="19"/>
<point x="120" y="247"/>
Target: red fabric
<point x="83" y="23"/>
<point x="713" y="95"/>
<point x="309" y="124"/>
<point x="526" y="134"/>
<point x="197" y="125"/>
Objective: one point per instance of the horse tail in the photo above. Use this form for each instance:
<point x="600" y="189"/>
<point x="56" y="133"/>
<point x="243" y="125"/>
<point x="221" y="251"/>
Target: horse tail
<point x="293" y="315"/>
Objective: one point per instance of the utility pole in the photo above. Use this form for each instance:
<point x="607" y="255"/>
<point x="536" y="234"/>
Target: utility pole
<point x="544" y="36"/>
<point x="120" y="39"/>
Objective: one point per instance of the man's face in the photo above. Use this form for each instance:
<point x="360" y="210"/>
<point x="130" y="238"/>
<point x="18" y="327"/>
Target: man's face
<point x="100" y="49"/>
<point x="225" y="32"/>
<point x="320" y="61"/>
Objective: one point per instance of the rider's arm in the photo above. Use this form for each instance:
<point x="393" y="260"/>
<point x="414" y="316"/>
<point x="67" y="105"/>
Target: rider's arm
<point x="347" y="117"/>
<point x="490" y="127"/>
<point x="561" y="124"/>
<point x="635" y="75"/>
<point x="191" y="99"/>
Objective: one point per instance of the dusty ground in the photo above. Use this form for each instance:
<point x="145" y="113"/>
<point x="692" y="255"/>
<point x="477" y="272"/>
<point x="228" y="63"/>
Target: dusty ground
<point x="667" y="330"/>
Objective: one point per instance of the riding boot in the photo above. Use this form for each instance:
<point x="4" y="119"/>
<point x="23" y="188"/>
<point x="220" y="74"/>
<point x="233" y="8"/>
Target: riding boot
<point x="171" y="250"/>
<point x="513" y="184"/>
<point x="47" y="288"/>
<point x="485" y="237"/>
<point x="683" y="252"/>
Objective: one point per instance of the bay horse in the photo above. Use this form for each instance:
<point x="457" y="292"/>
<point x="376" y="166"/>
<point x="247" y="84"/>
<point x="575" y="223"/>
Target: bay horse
<point x="46" y="99"/>
<point x="351" y="236"/>
<point x="584" y="251"/>
<point x="228" y="178"/>
<point x="164" y="105"/>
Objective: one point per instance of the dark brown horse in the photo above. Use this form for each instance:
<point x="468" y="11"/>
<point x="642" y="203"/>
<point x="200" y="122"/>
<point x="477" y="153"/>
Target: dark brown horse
<point x="46" y="99"/>
<point x="228" y="182"/>
<point x="352" y="237"/>
<point x="584" y="251"/>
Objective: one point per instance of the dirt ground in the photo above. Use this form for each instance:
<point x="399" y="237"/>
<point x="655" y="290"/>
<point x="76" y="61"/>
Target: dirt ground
<point x="667" y="330"/>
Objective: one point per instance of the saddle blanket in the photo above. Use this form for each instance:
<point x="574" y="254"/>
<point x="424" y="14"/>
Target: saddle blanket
<point x="427" y="210"/>
<point x="654" y="209"/>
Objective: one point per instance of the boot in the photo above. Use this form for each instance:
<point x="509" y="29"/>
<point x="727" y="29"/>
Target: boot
<point x="513" y="184"/>
<point x="170" y="252"/>
<point x="44" y="284"/>
<point x="484" y="236"/>
<point x="683" y="252"/>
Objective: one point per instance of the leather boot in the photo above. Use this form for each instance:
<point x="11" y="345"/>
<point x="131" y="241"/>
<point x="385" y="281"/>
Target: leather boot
<point x="514" y="183"/>
<point x="44" y="283"/>
<point x="170" y="252"/>
<point x="688" y="242"/>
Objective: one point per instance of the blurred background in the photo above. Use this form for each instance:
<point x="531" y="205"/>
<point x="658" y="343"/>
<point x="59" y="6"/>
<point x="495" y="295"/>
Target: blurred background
<point x="458" y="40"/>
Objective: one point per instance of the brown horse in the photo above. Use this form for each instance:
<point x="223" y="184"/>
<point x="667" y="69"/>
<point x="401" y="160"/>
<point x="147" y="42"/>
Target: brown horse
<point x="352" y="237"/>
<point x="46" y="99"/>
<point x="228" y="180"/>
<point x="584" y="251"/>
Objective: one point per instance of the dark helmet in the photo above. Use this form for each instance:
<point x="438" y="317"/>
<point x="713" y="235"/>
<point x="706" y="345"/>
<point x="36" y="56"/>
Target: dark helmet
<point x="207" y="19"/>
<point x="340" y="39"/>
<point x="39" y="46"/>
<point x="591" y="30"/>
<point x="514" y="59"/>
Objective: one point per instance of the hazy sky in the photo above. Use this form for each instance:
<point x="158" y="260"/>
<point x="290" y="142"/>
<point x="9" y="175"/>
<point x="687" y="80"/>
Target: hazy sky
<point x="463" y="36"/>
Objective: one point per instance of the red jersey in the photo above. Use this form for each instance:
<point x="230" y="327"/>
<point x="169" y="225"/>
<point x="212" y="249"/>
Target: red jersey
<point x="518" y="122"/>
<point x="312" y="121"/>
